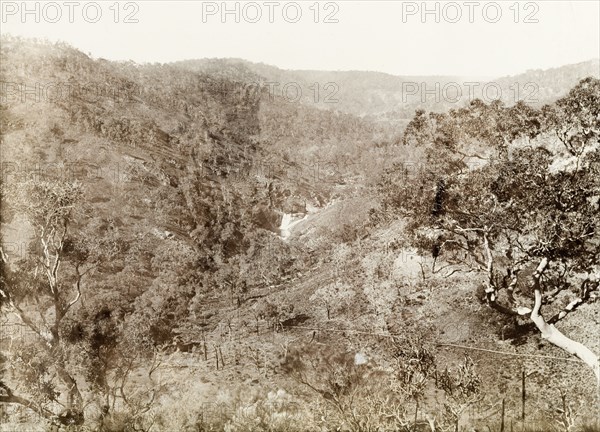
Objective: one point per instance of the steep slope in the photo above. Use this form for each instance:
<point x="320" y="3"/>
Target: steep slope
<point x="171" y="159"/>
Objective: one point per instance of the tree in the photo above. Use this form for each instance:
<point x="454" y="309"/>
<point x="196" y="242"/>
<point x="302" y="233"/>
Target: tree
<point x="575" y="119"/>
<point x="67" y="343"/>
<point x="526" y="220"/>
<point x="332" y="296"/>
<point x="358" y="395"/>
<point x="462" y="389"/>
<point x="50" y="208"/>
<point x="367" y="397"/>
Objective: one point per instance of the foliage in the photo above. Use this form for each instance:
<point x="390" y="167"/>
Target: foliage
<point x="519" y="206"/>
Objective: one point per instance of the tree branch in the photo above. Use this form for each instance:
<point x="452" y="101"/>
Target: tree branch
<point x="586" y="291"/>
<point x="10" y="398"/>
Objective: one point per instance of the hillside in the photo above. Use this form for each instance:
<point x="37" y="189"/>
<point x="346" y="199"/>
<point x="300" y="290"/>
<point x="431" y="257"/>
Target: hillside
<point x="389" y="97"/>
<point x="553" y="83"/>
<point x="181" y="302"/>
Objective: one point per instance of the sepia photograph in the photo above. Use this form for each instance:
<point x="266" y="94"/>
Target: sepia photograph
<point x="300" y="216"/>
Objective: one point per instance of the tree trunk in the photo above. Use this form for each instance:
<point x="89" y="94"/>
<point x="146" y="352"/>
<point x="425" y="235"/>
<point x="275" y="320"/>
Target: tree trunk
<point x="553" y="335"/>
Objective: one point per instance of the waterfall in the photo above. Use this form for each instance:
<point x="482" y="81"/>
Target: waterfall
<point x="287" y="223"/>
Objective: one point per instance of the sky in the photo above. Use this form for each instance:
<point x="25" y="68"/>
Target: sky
<point x="462" y="38"/>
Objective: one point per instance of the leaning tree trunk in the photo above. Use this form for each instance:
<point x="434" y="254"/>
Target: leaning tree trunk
<point x="553" y="335"/>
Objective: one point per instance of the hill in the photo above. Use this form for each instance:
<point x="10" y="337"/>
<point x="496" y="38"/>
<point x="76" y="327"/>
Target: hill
<point x="385" y="96"/>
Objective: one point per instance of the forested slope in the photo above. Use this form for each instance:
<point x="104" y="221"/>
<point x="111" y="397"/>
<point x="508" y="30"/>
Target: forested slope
<point x="145" y="283"/>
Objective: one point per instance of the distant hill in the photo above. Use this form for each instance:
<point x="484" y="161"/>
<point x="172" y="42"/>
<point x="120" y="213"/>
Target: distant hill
<point x="549" y="84"/>
<point x="388" y="97"/>
<point x="360" y="93"/>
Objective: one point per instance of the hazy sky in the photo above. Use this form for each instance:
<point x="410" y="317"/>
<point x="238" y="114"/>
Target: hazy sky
<point x="386" y="36"/>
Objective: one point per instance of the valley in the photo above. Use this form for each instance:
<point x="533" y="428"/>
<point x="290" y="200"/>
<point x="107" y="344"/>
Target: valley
<point x="192" y="255"/>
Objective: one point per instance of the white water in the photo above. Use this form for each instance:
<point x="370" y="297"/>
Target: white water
<point x="287" y="223"/>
